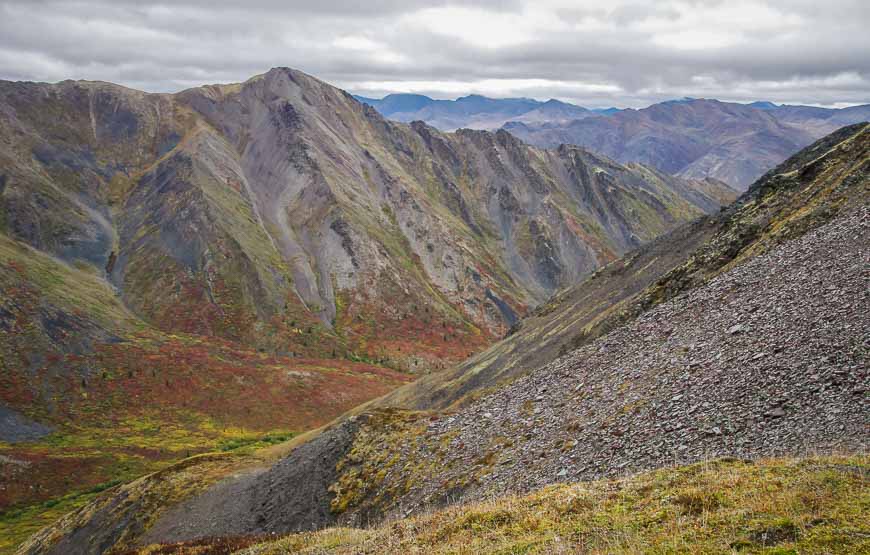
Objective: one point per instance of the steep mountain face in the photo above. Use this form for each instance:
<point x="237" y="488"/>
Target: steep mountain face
<point x="475" y="111"/>
<point x="567" y="320"/>
<point x="230" y="265"/>
<point x="799" y="194"/>
<point x="697" y="138"/>
<point x="252" y="211"/>
<point x="747" y="344"/>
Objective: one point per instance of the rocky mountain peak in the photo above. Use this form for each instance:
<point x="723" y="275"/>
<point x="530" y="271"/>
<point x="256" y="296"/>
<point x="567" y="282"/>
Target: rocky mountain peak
<point x="297" y="190"/>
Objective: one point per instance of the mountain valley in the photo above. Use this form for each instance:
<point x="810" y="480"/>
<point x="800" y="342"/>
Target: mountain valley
<point x="538" y="278"/>
<point x="224" y="268"/>
<point x="745" y="341"/>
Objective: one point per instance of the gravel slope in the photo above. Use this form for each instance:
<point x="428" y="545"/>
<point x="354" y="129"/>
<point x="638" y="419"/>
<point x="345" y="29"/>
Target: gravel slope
<point x="767" y="359"/>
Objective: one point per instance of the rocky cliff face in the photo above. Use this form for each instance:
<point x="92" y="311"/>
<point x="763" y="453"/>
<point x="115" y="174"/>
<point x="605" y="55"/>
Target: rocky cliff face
<point x="261" y="211"/>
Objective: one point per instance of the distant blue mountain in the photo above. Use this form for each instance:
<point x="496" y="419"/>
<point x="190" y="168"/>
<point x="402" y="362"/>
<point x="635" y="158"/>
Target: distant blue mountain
<point x="763" y="105"/>
<point x="475" y="111"/>
<point x="606" y="111"/>
<point x="732" y="142"/>
<point x="397" y="103"/>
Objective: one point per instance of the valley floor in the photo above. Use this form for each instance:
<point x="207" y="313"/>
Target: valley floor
<point x="158" y="400"/>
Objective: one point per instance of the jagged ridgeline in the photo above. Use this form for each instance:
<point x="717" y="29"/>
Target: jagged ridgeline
<point x="284" y="214"/>
<point x="745" y="340"/>
<point x="806" y="190"/>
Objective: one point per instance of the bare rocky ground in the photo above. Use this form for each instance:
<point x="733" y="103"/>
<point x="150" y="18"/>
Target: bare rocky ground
<point x="290" y="496"/>
<point x="767" y="359"/>
<point x="15" y="427"/>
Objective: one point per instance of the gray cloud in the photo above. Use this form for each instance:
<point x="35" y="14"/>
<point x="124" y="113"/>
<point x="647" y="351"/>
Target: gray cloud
<point x="632" y="53"/>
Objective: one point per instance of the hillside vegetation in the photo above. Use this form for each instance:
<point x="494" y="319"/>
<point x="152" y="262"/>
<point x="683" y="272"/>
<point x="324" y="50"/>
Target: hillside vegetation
<point x="232" y="265"/>
<point x="810" y="505"/>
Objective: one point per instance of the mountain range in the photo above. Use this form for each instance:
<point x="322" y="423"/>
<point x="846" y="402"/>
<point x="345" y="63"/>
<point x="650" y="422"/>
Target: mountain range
<point x="735" y="143"/>
<point x="696" y="138"/>
<point x="737" y="335"/>
<point x="477" y="112"/>
<point x="301" y="200"/>
<point x="226" y="267"/>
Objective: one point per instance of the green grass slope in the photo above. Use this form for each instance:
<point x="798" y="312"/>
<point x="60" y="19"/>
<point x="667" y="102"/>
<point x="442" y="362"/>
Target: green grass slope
<point x="776" y="506"/>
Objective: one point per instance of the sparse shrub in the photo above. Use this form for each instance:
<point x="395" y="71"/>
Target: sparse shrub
<point x="527" y="407"/>
<point x="488" y="459"/>
<point x="695" y="502"/>
<point x="575" y="505"/>
<point x="486" y="520"/>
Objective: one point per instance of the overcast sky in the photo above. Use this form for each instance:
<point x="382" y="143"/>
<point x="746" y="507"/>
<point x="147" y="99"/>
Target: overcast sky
<point x="630" y="53"/>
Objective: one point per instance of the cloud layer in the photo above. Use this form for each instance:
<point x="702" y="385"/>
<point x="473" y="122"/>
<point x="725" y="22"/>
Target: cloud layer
<point x="631" y="53"/>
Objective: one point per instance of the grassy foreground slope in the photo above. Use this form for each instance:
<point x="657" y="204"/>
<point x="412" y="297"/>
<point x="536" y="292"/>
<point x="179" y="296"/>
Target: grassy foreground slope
<point x="809" y="505"/>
